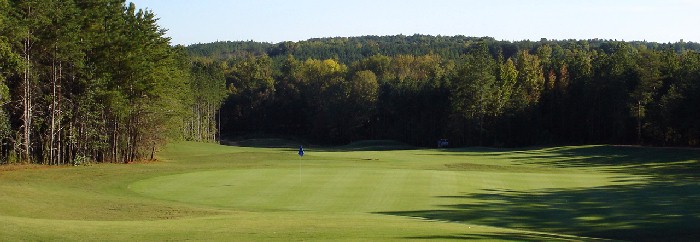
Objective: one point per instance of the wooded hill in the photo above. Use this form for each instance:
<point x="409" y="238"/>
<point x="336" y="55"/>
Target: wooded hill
<point x="99" y="81"/>
<point x="471" y="90"/>
<point x="351" y="49"/>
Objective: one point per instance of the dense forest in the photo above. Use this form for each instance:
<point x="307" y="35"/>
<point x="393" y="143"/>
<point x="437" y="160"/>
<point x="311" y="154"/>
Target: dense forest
<point x="96" y="80"/>
<point x="470" y="90"/>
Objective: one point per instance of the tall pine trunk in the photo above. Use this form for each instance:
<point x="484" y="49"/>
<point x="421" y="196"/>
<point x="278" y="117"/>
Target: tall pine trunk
<point x="26" y="100"/>
<point x="59" y="128"/>
<point x="52" y="130"/>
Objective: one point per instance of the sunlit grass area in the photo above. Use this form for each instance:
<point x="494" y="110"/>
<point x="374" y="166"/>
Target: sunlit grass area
<point x="363" y="191"/>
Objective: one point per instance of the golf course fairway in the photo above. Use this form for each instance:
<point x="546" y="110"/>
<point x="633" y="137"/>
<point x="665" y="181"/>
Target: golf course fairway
<point x="202" y="191"/>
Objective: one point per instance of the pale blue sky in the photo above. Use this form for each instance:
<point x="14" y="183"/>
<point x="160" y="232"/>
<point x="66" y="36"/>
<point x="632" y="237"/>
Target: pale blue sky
<point x="202" y="21"/>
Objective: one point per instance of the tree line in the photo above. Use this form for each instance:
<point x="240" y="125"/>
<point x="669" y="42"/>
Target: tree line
<point x="472" y="91"/>
<point x="97" y="80"/>
<point x="351" y="49"/>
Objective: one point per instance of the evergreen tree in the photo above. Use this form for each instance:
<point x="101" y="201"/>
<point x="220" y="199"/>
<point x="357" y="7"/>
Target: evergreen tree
<point x="475" y="90"/>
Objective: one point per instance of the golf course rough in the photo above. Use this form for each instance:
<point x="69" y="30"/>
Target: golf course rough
<point x="213" y="192"/>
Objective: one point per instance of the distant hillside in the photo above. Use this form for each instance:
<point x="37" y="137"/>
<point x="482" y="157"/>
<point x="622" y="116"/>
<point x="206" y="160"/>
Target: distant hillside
<point x="350" y="49"/>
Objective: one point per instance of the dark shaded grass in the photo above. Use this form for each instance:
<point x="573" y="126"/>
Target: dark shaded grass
<point x="495" y="236"/>
<point x="664" y="208"/>
<point x="375" y="145"/>
<point x="364" y="145"/>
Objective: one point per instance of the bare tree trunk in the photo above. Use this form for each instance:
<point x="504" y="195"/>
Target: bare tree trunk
<point x="26" y="101"/>
<point x="153" y="150"/>
<point x="132" y="137"/>
<point x="59" y="153"/>
<point x="192" y="121"/>
<point x="124" y="149"/>
<point x="134" y="146"/>
<point x="52" y="134"/>
<point x="71" y="144"/>
<point x="213" y="123"/>
<point x="115" y="143"/>
<point x="218" y="130"/>
<point x="209" y="123"/>
<point x="199" y="122"/>
<point x="639" y="122"/>
<point x="481" y="118"/>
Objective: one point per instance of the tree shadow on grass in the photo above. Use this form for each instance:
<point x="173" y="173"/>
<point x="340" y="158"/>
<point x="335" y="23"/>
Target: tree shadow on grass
<point x="665" y="207"/>
<point x="647" y="212"/>
<point x="501" y="236"/>
<point x="665" y="163"/>
<point x="660" y="164"/>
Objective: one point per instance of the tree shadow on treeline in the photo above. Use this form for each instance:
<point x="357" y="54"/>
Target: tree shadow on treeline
<point x="665" y="206"/>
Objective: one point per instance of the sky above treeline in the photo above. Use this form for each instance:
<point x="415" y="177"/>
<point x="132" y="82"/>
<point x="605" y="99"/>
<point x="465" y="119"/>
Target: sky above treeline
<point x="203" y="21"/>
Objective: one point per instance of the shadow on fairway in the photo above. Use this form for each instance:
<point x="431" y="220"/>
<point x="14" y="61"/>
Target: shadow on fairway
<point x="668" y="163"/>
<point x="651" y="212"/>
<point x="660" y="164"/>
<point x="519" y="236"/>
<point x="664" y="208"/>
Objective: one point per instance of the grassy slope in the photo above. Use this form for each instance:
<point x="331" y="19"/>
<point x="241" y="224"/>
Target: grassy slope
<point x="207" y="191"/>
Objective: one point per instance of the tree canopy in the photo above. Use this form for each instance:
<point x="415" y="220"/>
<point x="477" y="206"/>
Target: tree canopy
<point x="96" y="80"/>
<point x="472" y="90"/>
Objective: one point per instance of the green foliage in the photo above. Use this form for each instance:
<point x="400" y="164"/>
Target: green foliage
<point x="530" y="80"/>
<point x="123" y="75"/>
<point x="378" y="64"/>
<point x="10" y="62"/>
<point x="208" y="86"/>
<point x="475" y="87"/>
<point x="507" y="79"/>
<point x="96" y="79"/>
<point x="81" y="161"/>
<point x="470" y="90"/>
<point x="363" y="89"/>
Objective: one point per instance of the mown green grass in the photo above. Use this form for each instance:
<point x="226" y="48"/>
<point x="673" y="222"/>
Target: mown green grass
<point x="212" y="192"/>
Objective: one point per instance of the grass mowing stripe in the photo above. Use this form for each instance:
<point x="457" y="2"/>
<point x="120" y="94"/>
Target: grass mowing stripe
<point x="277" y="226"/>
<point x="334" y="192"/>
<point x="263" y="195"/>
<point x="292" y="194"/>
<point x="382" y="190"/>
